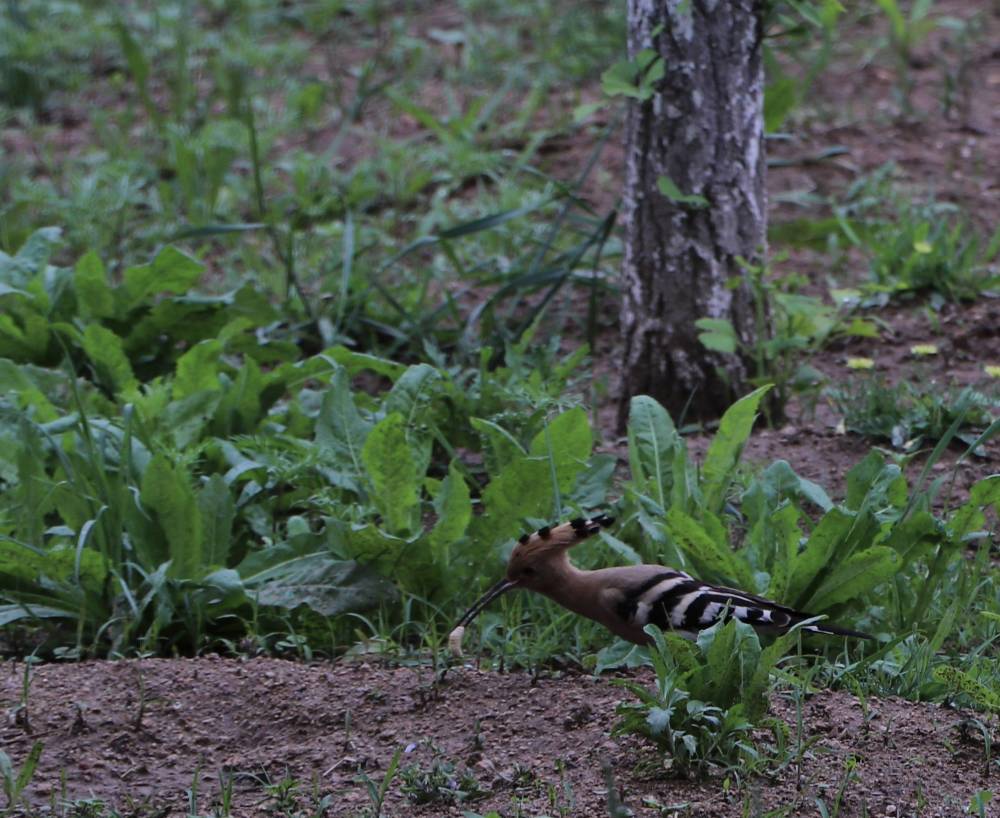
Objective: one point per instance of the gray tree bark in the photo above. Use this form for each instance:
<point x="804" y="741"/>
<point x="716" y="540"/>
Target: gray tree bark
<point x="703" y="129"/>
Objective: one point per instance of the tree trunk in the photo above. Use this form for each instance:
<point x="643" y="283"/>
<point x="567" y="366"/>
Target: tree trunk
<point x="703" y="129"/>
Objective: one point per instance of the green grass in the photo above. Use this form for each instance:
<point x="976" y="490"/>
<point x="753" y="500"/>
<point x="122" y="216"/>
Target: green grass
<point x="358" y="230"/>
<point x="911" y="413"/>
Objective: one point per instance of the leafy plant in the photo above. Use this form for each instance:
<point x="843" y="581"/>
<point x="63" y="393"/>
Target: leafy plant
<point x="907" y="31"/>
<point x="377" y="792"/>
<point x="788" y="326"/>
<point x="979" y="684"/>
<point x="119" y="334"/>
<point x="927" y="248"/>
<point x="190" y="494"/>
<point x="16" y="781"/>
<point x="914" y="245"/>
<point x="636" y="77"/>
<point x="805" y="33"/>
<point x="795" y="544"/>
<point x="706" y="702"/>
<point x="908" y="413"/>
<point x="980" y="801"/>
<point x="439" y="783"/>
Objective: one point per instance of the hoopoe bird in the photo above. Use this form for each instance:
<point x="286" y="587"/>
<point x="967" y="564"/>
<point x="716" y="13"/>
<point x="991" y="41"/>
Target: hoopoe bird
<point x="626" y="599"/>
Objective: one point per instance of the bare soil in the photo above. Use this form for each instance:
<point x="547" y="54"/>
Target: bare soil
<point x="136" y="734"/>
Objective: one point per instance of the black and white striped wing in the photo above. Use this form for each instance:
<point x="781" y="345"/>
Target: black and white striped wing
<point x="675" y="601"/>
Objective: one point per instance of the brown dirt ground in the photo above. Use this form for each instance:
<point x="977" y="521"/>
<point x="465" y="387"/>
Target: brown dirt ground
<point x="325" y="725"/>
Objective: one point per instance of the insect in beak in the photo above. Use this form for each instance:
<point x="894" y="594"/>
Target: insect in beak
<point x="455" y="637"/>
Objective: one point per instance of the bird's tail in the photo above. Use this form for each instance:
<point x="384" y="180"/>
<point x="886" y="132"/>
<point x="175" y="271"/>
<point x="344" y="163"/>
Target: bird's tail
<point x="836" y="630"/>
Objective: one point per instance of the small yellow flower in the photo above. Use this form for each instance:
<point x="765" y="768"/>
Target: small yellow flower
<point x="923" y="349"/>
<point x="923" y="247"/>
<point x="992" y="370"/>
<point x="860" y="363"/>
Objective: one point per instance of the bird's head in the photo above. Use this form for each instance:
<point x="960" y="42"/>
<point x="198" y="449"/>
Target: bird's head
<point x="534" y="563"/>
<point x="536" y="559"/>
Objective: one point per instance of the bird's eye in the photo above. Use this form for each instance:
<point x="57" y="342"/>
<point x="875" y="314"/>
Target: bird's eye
<point x="528" y="572"/>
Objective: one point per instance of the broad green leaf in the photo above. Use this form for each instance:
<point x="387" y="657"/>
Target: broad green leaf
<point x="961" y="682"/>
<point x="392" y="469"/>
<point x="412" y="397"/>
<point x="685" y="493"/>
<point x="369" y="544"/>
<point x="6" y="289"/>
<point x="785" y="535"/>
<point x="217" y="509"/>
<point x="355" y="362"/>
<point x="567" y="440"/>
<point x="969" y="517"/>
<point x="453" y="505"/>
<point x="914" y="535"/>
<point x="777" y="484"/>
<point x="19" y="611"/>
<point x="240" y="409"/>
<point x="522" y="489"/>
<point x="105" y="351"/>
<point x="31" y="258"/>
<point x="855" y="576"/>
<point x="717" y="335"/>
<point x="593" y="483"/>
<point x="669" y="188"/>
<point x="340" y="429"/>
<point x="170" y="271"/>
<point x="175" y="271"/>
<point x="704" y="552"/>
<point x="26" y="566"/>
<point x="815" y="558"/>
<point x="780" y="98"/>
<point x="619" y="79"/>
<point x="652" y="444"/>
<point x="622" y="549"/>
<point x="90" y="281"/>
<point x="18" y="382"/>
<point x="620" y="654"/>
<point x="187" y="419"/>
<point x="29" y="338"/>
<point x="220" y="591"/>
<point x="732" y="652"/>
<point x="31" y="501"/>
<point x="726" y="447"/>
<point x="861" y="477"/>
<point x="198" y="369"/>
<point x="412" y="393"/>
<point x="328" y="586"/>
<point x="168" y="496"/>
<point x="636" y="77"/>
<point x="756" y="688"/>
<point x="499" y="446"/>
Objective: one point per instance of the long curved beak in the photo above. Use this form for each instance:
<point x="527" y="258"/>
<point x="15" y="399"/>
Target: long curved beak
<point x="499" y="588"/>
